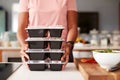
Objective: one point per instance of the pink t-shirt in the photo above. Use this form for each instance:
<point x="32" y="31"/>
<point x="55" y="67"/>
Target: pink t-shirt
<point x="48" y="12"/>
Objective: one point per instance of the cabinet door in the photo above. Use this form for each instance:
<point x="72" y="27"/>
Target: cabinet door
<point x="2" y="20"/>
<point x="119" y="16"/>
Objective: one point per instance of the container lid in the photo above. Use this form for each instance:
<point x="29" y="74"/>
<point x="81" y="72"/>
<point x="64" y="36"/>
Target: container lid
<point x="37" y="27"/>
<point x="45" y="27"/>
<point x="44" y="62"/>
<point x="44" y="39"/>
<point x="36" y="62"/>
<point x="35" y="51"/>
<point x="56" y="27"/>
<point x="56" y="39"/>
<point x="56" y="62"/>
<point x="44" y="51"/>
<point x="56" y="51"/>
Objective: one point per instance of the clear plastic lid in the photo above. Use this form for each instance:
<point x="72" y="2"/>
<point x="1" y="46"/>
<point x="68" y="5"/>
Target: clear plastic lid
<point x="44" y="39"/>
<point x="37" y="62"/>
<point x="56" y="62"/>
<point x="45" y="27"/>
<point x="44" y="51"/>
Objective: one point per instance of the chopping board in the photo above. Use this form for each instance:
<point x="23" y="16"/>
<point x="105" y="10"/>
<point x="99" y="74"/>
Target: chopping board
<point x="92" y="71"/>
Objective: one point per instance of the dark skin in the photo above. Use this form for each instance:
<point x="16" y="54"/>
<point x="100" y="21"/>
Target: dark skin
<point x="72" y="34"/>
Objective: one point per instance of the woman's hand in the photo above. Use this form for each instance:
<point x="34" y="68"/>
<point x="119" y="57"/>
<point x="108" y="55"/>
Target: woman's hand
<point x="24" y="56"/>
<point x="65" y="58"/>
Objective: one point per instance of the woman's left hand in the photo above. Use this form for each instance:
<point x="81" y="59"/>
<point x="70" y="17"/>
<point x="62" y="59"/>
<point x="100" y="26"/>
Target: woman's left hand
<point x="65" y="58"/>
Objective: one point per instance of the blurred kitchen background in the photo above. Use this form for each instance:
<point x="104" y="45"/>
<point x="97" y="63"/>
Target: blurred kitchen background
<point x="98" y="23"/>
<point x="92" y="14"/>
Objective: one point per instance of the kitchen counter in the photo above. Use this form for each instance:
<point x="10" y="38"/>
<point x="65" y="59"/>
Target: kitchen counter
<point x="70" y="73"/>
<point x="88" y="47"/>
<point x="10" y="48"/>
<point x="7" y="52"/>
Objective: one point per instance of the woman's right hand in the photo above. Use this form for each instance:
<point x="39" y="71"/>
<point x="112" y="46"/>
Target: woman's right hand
<point x="24" y="56"/>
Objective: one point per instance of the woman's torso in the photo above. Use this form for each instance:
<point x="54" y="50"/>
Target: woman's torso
<point x="48" y="12"/>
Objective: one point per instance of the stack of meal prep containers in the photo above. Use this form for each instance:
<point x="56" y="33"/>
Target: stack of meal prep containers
<point x="45" y="52"/>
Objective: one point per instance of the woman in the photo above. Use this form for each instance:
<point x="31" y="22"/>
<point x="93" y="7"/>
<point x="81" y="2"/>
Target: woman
<point x="48" y="12"/>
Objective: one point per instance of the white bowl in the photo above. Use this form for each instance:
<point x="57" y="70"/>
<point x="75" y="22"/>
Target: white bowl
<point x="107" y="60"/>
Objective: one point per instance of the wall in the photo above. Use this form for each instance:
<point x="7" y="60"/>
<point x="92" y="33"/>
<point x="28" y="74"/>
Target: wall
<point x="7" y="5"/>
<point x="108" y="10"/>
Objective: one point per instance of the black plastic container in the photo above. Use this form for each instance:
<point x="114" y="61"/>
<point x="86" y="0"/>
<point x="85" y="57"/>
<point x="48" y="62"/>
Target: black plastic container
<point x="36" y="54"/>
<point x="56" y="65"/>
<point x="55" y="43"/>
<point x="37" y="43"/>
<point x="56" y="54"/>
<point x="56" y="31"/>
<point x="37" y="31"/>
<point x="37" y="65"/>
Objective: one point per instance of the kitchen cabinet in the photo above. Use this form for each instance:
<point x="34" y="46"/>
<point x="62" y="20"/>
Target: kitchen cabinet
<point x="0" y="55"/>
<point x="119" y="15"/>
<point x="9" y="52"/>
<point x="2" y="20"/>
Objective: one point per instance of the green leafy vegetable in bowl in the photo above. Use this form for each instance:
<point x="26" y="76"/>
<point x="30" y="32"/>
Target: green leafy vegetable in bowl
<point x="104" y="51"/>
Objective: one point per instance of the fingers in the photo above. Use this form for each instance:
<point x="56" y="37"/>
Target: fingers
<point x="63" y="45"/>
<point x="24" y="55"/>
<point x="24" y="58"/>
<point x="24" y="61"/>
<point x="65" y="58"/>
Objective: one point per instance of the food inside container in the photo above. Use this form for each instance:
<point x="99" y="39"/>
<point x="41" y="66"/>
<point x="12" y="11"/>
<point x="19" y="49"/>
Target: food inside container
<point x="56" y="65"/>
<point x="40" y="31"/>
<point x="37" y="43"/>
<point x="36" y="65"/>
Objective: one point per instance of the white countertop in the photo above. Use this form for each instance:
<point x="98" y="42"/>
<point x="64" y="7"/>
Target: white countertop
<point x="10" y="48"/>
<point x="95" y="47"/>
<point x="78" y="47"/>
<point x="75" y="47"/>
<point x="70" y="73"/>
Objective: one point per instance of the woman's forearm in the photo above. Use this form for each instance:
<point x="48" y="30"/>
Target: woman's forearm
<point x="72" y="33"/>
<point x="21" y="36"/>
<point x="22" y="24"/>
<point x="72" y="26"/>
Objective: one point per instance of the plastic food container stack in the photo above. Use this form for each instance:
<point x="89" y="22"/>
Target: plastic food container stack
<point x="56" y="65"/>
<point x="40" y="31"/>
<point x="37" y="65"/>
<point x="37" y="43"/>
<point x="40" y="45"/>
<point x="36" y="54"/>
<point x="55" y="43"/>
<point x="55" y="31"/>
<point x="40" y="54"/>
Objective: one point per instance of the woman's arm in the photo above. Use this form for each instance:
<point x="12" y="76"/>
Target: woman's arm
<point x="72" y="35"/>
<point x="72" y="25"/>
<point x="22" y="24"/>
<point x="22" y="34"/>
